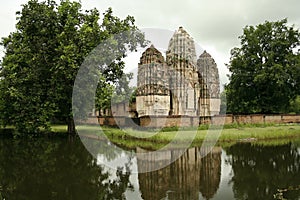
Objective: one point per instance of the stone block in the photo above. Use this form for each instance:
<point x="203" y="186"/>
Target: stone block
<point x="273" y="119"/>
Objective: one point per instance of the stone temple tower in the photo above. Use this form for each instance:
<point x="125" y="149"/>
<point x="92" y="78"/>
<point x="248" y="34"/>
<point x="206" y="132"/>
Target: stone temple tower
<point x="153" y="94"/>
<point x="181" y="60"/>
<point x="179" y="85"/>
<point x="209" y="85"/>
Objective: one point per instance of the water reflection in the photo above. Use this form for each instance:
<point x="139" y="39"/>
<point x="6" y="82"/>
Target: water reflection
<point x="256" y="172"/>
<point x="184" y="178"/>
<point x="55" y="169"/>
<point x="260" y="170"/>
<point x="63" y="169"/>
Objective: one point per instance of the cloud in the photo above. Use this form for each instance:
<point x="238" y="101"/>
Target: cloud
<point x="214" y="24"/>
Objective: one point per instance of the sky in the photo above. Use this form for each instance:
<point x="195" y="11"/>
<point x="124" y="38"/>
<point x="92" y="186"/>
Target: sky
<point x="214" y="24"/>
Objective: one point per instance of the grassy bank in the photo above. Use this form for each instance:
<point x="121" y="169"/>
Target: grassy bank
<point x="267" y="134"/>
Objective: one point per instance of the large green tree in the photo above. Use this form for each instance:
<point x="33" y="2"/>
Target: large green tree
<point x="265" y="70"/>
<point x="43" y="56"/>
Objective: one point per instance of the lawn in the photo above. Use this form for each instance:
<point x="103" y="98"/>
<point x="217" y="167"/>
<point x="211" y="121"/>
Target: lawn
<point x="154" y="139"/>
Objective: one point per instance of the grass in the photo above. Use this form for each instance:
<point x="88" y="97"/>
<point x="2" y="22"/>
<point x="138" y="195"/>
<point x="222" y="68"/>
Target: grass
<point x="56" y="130"/>
<point x="59" y="128"/>
<point x="261" y="133"/>
<point x="268" y="133"/>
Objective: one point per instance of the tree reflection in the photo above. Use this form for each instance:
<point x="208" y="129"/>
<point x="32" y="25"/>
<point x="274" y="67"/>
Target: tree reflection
<point x="260" y="170"/>
<point x="55" y="169"/>
<point x="101" y="147"/>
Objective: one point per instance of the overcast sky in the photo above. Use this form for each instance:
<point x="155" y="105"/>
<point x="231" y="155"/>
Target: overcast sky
<point x="215" y="24"/>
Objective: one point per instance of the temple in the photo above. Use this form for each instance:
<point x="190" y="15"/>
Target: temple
<point x="179" y="83"/>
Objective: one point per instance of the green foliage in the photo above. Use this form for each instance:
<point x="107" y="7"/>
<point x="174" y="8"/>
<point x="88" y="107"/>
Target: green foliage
<point x="43" y="55"/>
<point x="108" y="93"/>
<point x="295" y="105"/>
<point x="123" y="92"/>
<point x="103" y="95"/>
<point x="265" y="70"/>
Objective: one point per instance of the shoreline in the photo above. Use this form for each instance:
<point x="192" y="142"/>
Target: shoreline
<point x="260" y="135"/>
<point x="267" y="134"/>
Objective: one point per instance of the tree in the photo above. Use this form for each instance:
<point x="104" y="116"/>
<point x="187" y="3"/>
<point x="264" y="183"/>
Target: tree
<point x="25" y="73"/>
<point x="265" y="70"/>
<point x="104" y="96"/>
<point x="43" y="55"/>
<point x="295" y="105"/>
<point x="109" y="93"/>
<point x="223" y="105"/>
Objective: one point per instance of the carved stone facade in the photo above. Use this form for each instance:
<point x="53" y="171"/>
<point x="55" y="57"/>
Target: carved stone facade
<point x="179" y="85"/>
<point x="210" y="86"/>
<point x="153" y="94"/>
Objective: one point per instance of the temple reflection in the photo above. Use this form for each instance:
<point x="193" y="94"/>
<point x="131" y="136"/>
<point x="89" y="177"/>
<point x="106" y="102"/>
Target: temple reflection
<point x="185" y="178"/>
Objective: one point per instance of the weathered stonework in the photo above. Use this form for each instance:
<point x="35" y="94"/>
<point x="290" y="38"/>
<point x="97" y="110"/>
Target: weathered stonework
<point x="181" y="85"/>
<point x="184" y="85"/>
<point x="188" y="121"/>
<point x="153" y="94"/>
<point x="210" y="85"/>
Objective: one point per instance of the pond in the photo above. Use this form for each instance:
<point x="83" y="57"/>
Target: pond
<point x="61" y="168"/>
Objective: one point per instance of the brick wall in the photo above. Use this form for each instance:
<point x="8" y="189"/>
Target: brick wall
<point x="187" y="121"/>
<point x="169" y="121"/>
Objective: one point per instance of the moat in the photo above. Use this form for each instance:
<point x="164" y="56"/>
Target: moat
<point x="61" y="168"/>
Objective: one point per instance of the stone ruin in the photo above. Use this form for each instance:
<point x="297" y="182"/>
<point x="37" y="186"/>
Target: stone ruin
<point x="179" y="85"/>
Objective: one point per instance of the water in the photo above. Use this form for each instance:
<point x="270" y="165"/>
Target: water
<point x="62" y="168"/>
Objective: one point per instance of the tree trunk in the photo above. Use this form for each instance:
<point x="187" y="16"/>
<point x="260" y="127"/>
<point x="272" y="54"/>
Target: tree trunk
<point x="71" y="126"/>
